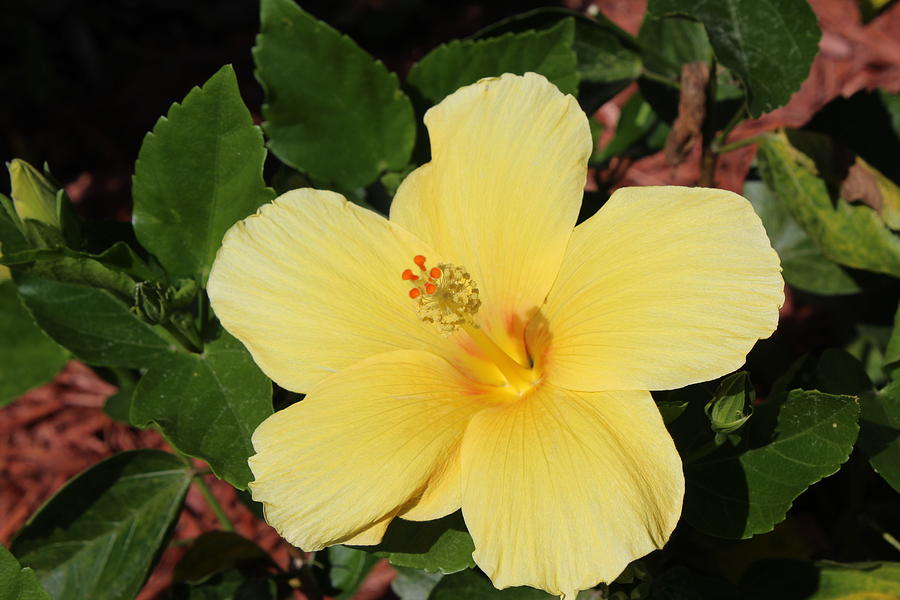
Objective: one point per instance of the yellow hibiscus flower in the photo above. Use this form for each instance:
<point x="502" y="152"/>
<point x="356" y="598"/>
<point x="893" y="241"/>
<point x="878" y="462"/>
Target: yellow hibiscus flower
<point x="479" y="351"/>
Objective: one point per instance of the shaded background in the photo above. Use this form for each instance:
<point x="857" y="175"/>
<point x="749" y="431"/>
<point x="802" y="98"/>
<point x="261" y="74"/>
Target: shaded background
<point x="84" y="80"/>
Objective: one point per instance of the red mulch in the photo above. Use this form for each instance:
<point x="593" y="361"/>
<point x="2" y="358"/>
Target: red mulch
<point x="852" y="57"/>
<point x="56" y="431"/>
<point x="52" y="433"/>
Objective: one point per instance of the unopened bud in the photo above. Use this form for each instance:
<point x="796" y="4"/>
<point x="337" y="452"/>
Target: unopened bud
<point x="151" y="302"/>
<point x="34" y="196"/>
<point x="731" y="406"/>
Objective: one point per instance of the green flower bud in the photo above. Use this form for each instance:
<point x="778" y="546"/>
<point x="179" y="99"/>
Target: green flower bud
<point x="730" y="407"/>
<point x="151" y="302"/>
<point x="34" y="196"/>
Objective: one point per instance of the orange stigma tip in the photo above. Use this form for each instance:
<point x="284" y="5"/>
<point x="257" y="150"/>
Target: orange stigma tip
<point x="430" y="288"/>
<point x="420" y="261"/>
<point x="408" y="275"/>
<point x="414" y="293"/>
<point x="435" y="273"/>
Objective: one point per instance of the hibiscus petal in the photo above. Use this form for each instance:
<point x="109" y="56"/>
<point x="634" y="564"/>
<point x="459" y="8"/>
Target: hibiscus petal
<point x="365" y="441"/>
<point x="501" y="193"/>
<point x="373" y="535"/>
<point x="563" y="489"/>
<point x="312" y="284"/>
<point x="663" y="287"/>
<point x="442" y="495"/>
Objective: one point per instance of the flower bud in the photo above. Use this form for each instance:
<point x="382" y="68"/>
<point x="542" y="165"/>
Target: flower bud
<point x="730" y="408"/>
<point x="34" y="196"/>
<point x="151" y="302"/>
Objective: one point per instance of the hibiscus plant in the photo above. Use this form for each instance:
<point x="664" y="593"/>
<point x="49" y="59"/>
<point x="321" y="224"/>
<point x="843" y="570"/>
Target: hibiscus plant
<point x="426" y="320"/>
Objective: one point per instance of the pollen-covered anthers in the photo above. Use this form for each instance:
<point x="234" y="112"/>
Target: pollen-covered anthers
<point x="445" y="295"/>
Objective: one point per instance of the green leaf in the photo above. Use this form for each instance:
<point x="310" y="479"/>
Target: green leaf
<point x="848" y="234"/>
<point x="349" y="568"/>
<point x="215" y="552"/>
<point x="781" y="579"/>
<point x="668" y="44"/>
<point x="118" y="406"/>
<point x="859" y="581"/>
<point x="462" y="62"/>
<point x="232" y="584"/>
<point x="93" y="324"/>
<point x="892" y="352"/>
<point x="413" y="584"/>
<point x="207" y="405"/>
<point x="114" y="268"/>
<point x="769" y="44"/>
<point x="671" y="409"/>
<point x="17" y="583"/>
<point x="636" y="122"/>
<point x="11" y="237"/>
<point x="28" y="357"/>
<point x="687" y="422"/>
<point x="331" y="110"/>
<point x="60" y="264"/>
<point x="99" y="536"/>
<point x="443" y="545"/>
<point x="608" y="58"/>
<point x="198" y="172"/>
<point x="838" y="372"/>
<point x="891" y="103"/>
<point x="879" y="436"/>
<point x="671" y="42"/>
<point x="803" y="264"/>
<point x="474" y="585"/>
<point x="739" y="491"/>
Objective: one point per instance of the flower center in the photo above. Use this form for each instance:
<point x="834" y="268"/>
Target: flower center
<point x="447" y="297"/>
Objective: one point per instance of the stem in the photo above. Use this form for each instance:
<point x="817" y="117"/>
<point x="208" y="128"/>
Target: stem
<point x="178" y="336"/>
<point x="301" y="574"/>
<point x="736" y="118"/>
<point x="224" y="521"/>
<point x="701" y="451"/>
<point x="519" y="378"/>
<point x="891" y="540"/>
<point x="887" y="537"/>
<point x="738" y="144"/>
<point x="183" y="542"/>
<point x="190" y="334"/>
<point x="666" y="81"/>
<point x="708" y="161"/>
<point x="202" y="313"/>
<point x="308" y="583"/>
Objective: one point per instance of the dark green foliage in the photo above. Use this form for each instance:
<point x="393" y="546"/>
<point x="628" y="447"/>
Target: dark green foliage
<point x="17" y="583"/>
<point x="443" y="545"/>
<point x="94" y="324"/>
<point x="199" y="172"/>
<point x="462" y="62"/>
<point x="332" y="111"/>
<point x="99" y="535"/>
<point x="207" y="404"/>
<point x="769" y="44"/>
<point x="33" y="359"/>
<point x="746" y="488"/>
<point x="607" y="58"/>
